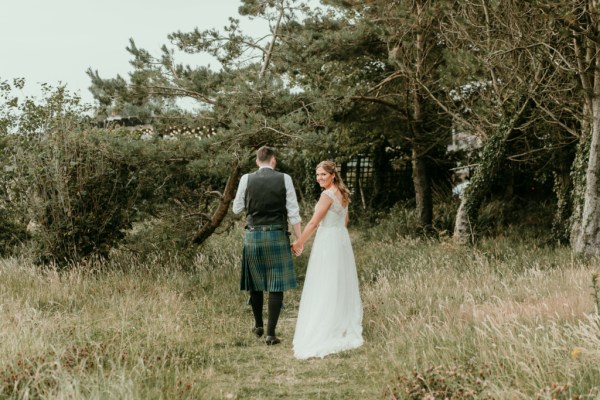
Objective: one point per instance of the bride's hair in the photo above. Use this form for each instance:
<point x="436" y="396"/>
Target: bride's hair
<point x="331" y="168"/>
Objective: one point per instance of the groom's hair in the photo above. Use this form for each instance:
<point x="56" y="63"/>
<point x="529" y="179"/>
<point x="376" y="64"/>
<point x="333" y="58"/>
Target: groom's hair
<point x="265" y="154"/>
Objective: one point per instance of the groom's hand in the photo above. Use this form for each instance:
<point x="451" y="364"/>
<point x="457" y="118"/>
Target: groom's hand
<point x="296" y="250"/>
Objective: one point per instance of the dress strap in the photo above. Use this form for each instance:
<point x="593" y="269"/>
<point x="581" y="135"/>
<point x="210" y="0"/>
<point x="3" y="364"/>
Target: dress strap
<point x="330" y="194"/>
<point x="333" y="197"/>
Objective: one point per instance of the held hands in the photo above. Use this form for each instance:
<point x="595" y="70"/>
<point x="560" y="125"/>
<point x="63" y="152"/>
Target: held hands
<point x="297" y="249"/>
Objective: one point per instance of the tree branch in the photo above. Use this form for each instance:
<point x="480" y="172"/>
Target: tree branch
<point x="269" y="52"/>
<point x="379" y="100"/>
<point x="228" y="195"/>
<point x="170" y="91"/>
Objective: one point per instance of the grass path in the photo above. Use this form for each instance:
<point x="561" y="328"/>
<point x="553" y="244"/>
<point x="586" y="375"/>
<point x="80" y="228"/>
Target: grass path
<point x="504" y="320"/>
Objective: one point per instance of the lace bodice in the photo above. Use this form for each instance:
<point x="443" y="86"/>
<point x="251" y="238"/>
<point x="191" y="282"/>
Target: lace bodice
<point x="336" y="215"/>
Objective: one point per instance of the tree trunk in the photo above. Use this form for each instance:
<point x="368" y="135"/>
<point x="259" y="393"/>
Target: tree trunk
<point x="462" y="224"/>
<point x="221" y="211"/>
<point x="420" y="173"/>
<point x="422" y="184"/>
<point x="587" y="238"/>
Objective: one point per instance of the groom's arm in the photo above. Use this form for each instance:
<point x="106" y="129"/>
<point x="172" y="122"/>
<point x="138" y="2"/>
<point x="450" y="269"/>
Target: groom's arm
<point x="297" y="228"/>
<point x="239" y="201"/>
<point x="291" y="204"/>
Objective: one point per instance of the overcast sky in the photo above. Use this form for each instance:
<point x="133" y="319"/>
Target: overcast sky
<point x="52" y="41"/>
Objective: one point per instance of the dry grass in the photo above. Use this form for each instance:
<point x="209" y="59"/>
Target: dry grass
<point x="523" y="317"/>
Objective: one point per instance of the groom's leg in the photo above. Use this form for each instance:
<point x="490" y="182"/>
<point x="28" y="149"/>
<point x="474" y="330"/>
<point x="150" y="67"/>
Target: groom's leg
<point x="275" y="302"/>
<point x="256" y="301"/>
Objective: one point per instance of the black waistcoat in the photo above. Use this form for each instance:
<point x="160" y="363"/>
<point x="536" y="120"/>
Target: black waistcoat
<point x="265" y="198"/>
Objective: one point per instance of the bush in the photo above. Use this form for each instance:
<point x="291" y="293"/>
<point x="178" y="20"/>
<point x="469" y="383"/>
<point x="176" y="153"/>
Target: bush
<point x="11" y="234"/>
<point x="401" y="221"/>
<point x="13" y="231"/>
<point x="85" y="189"/>
<point x="527" y="216"/>
<point x="81" y="194"/>
<point x="165" y="237"/>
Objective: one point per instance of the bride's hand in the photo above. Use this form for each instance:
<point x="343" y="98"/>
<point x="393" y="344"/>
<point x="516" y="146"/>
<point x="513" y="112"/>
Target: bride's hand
<point x="296" y="249"/>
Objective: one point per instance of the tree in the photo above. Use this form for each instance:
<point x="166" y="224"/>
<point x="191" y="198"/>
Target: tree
<point x="506" y="82"/>
<point x="554" y="48"/>
<point x="242" y="102"/>
<point x="368" y="60"/>
<point x="583" y="21"/>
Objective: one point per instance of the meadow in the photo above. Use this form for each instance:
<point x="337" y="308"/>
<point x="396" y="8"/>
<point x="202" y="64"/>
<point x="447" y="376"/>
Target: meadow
<point x="508" y="318"/>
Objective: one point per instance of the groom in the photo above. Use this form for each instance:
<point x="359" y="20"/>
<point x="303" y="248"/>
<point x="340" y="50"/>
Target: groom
<point x="269" y="199"/>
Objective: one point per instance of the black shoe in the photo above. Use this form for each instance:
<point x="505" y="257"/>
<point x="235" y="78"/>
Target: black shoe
<point x="271" y="340"/>
<point x="258" y="331"/>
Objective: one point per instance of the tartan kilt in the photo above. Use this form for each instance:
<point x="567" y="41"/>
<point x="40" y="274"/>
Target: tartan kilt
<point x="267" y="263"/>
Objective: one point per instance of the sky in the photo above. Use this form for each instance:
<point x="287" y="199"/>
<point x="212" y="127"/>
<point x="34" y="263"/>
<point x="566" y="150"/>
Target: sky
<point x="56" y="41"/>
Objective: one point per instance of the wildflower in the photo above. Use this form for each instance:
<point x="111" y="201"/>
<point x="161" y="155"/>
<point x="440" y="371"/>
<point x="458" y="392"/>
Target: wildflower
<point x="576" y="353"/>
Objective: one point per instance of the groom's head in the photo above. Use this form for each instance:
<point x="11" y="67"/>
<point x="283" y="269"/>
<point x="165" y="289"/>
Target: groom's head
<point x="265" y="156"/>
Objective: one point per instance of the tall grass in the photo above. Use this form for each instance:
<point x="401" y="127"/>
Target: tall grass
<point x="505" y="319"/>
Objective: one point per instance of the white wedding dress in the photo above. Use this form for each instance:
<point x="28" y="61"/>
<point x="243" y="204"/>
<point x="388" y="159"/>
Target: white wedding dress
<point x="330" y="312"/>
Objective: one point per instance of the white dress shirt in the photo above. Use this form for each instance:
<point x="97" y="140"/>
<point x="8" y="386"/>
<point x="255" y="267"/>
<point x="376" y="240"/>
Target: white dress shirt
<point x="291" y="203"/>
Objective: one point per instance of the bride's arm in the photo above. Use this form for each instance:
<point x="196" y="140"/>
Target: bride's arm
<point x="320" y="211"/>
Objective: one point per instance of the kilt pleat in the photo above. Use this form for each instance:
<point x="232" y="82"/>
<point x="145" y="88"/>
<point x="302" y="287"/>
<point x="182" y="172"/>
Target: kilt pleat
<point x="267" y="263"/>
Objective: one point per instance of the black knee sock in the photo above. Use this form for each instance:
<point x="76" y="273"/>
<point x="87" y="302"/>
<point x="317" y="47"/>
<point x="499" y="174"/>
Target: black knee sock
<point x="257" y="307"/>
<point x="275" y="302"/>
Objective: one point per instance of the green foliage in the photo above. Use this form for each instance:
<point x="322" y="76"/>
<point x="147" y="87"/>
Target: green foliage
<point x="89" y="187"/>
<point x="57" y="109"/>
<point x="12" y="233"/>
<point x="519" y="217"/>
<point x="497" y="218"/>
<point x="444" y="216"/>
<point x="367" y="76"/>
<point x="491" y="160"/>
<point x="13" y="226"/>
<point x="401" y="221"/>
<point x="163" y="238"/>
<point x="22" y="120"/>
<point x="82" y="195"/>
<point x="493" y="157"/>
<point x="80" y="189"/>
<point x="461" y="66"/>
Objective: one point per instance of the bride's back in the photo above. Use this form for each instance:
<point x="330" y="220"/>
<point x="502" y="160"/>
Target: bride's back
<point x="336" y="215"/>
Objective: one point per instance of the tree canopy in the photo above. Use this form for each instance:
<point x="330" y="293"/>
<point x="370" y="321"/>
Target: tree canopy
<point x="395" y="82"/>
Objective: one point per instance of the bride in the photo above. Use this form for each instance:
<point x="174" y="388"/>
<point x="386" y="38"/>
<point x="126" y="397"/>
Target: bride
<point x="330" y="313"/>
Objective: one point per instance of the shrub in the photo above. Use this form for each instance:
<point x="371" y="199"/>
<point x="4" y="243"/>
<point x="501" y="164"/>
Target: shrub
<point x="11" y="234"/>
<point x="13" y="229"/>
<point x="81" y="195"/>
<point x="86" y="188"/>
<point x="82" y="188"/>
